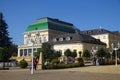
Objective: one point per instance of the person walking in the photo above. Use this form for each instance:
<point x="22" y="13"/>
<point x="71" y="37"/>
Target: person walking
<point x="35" y="62"/>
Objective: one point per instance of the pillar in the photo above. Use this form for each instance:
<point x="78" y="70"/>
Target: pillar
<point x="40" y="62"/>
<point x="23" y="54"/>
<point x="18" y="52"/>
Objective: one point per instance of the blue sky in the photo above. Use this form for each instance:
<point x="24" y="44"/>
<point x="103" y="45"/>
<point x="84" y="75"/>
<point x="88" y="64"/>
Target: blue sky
<point x="84" y="14"/>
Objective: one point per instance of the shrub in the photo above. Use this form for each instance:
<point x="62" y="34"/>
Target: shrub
<point x="107" y="62"/>
<point x="55" y="61"/>
<point x="62" y="66"/>
<point x="81" y="62"/>
<point x="23" y="64"/>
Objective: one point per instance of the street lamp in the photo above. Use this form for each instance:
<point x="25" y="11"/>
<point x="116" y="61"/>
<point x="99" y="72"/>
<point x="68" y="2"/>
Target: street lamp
<point x="94" y="50"/>
<point x="115" y="48"/>
<point x="31" y="43"/>
<point x="111" y="52"/>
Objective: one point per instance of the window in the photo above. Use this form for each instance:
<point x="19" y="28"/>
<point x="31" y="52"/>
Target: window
<point x="29" y="35"/>
<point x="35" y="49"/>
<point x="54" y="40"/>
<point x="21" y="52"/>
<point x="68" y="38"/>
<point x="25" y="52"/>
<point x="29" y="52"/>
<point x="60" y="39"/>
<point x="44" y="39"/>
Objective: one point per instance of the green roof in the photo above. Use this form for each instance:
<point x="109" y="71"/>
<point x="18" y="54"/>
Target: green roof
<point x="37" y="26"/>
<point x="49" y="23"/>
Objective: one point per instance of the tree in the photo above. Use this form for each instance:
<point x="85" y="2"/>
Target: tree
<point x="5" y="40"/>
<point x="13" y="50"/>
<point x="118" y="53"/>
<point x="74" y="54"/>
<point x="4" y="55"/>
<point x="37" y="54"/>
<point x="69" y="53"/>
<point x="57" y="54"/>
<point x="86" y="54"/>
<point x="101" y="53"/>
<point x="48" y="51"/>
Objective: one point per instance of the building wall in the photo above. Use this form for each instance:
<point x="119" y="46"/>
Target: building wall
<point x="38" y="36"/>
<point x="79" y="47"/>
<point x="103" y="38"/>
<point x="54" y="33"/>
<point x="114" y="38"/>
<point x="108" y="38"/>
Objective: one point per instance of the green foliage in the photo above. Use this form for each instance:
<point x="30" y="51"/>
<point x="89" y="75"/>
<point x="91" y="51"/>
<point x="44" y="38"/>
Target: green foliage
<point x="48" y="52"/>
<point x="4" y="54"/>
<point x="37" y="54"/>
<point x="69" y="53"/>
<point x="55" y="61"/>
<point x="49" y="60"/>
<point x="118" y="53"/>
<point x="62" y="66"/>
<point x="5" y="40"/>
<point x="23" y="64"/>
<point x="86" y="54"/>
<point x="1" y="54"/>
<point x="74" y="54"/>
<point x="57" y="54"/>
<point x="13" y="50"/>
<point x="101" y="53"/>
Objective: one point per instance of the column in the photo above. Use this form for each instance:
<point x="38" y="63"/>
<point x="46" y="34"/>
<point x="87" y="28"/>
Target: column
<point x="18" y="52"/>
<point x="23" y="54"/>
<point x="27" y="52"/>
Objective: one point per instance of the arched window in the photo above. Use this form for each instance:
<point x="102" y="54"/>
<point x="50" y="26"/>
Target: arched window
<point x="68" y="38"/>
<point x="54" y="40"/>
<point x="61" y="39"/>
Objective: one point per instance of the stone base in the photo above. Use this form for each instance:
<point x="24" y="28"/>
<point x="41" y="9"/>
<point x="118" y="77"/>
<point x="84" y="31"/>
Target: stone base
<point x="39" y="66"/>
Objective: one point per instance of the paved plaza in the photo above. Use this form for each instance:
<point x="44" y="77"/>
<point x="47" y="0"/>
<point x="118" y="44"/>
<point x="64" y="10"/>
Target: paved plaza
<point x="81" y="73"/>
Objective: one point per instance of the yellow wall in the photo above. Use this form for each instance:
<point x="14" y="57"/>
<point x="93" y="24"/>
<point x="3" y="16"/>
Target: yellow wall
<point x="76" y="46"/>
<point x="108" y="38"/>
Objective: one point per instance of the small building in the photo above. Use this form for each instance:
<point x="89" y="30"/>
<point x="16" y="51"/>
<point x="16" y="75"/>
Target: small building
<point x="105" y="36"/>
<point x="76" y="42"/>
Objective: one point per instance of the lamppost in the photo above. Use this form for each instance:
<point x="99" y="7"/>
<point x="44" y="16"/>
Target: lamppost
<point x="31" y="43"/>
<point x="94" y="50"/>
<point x="115" y="48"/>
<point x="111" y="52"/>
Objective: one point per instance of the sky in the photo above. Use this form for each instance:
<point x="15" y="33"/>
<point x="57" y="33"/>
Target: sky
<point x="84" y="14"/>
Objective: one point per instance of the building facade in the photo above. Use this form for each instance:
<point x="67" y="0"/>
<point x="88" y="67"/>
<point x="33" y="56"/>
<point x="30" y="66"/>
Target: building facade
<point x="62" y="34"/>
<point x="76" y="42"/>
<point x="42" y="30"/>
<point x="105" y="36"/>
